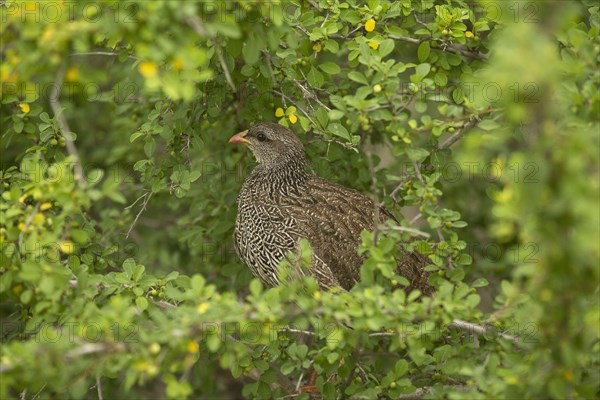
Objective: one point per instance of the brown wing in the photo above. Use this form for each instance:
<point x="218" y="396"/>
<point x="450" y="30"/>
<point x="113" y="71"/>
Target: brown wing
<point x="332" y="218"/>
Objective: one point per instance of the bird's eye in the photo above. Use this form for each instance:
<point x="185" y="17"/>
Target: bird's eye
<point x="261" y="137"/>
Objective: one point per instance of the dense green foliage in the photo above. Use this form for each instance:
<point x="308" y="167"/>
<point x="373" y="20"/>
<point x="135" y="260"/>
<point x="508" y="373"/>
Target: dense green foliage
<point x="118" y="275"/>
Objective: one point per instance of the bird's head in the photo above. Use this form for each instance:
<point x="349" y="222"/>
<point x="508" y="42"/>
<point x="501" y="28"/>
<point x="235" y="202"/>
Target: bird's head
<point x="272" y="144"/>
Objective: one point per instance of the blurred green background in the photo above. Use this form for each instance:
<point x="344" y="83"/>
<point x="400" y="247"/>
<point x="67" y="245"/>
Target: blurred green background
<point x="480" y="120"/>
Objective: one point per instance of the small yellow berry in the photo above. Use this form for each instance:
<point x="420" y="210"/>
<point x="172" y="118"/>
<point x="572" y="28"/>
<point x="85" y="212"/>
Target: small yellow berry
<point x="370" y="25"/>
<point x="39" y="219"/>
<point x="154" y="348"/>
<point x="377" y="88"/>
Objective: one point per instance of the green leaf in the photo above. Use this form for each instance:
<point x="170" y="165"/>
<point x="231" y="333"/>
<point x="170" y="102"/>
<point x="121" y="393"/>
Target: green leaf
<point x="256" y="287"/>
<point x="251" y="50"/>
<point x="401" y="368"/>
<point x="339" y="130"/>
<point x="197" y="283"/>
<point x="386" y="47"/>
<point x="358" y="77"/>
<point x="80" y="236"/>
<point x="330" y="68"/>
<point x="142" y="303"/>
<point x="322" y="117"/>
<point x="488" y="125"/>
<point x="416" y="154"/>
<point x="440" y="79"/>
<point x="423" y="69"/>
<point x="423" y="51"/>
<point x="315" y="78"/>
<point x="479" y="282"/>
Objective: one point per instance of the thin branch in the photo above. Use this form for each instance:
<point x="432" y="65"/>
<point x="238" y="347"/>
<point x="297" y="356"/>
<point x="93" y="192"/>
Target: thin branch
<point x="39" y="391"/>
<point x="101" y="53"/>
<point x="325" y="20"/>
<point x="423" y="391"/>
<point x="376" y="206"/>
<point x="88" y="348"/>
<point x="62" y="123"/>
<point x="456" y="137"/>
<point x="295" y="104"/>
<point x="409" y="230"/>
<point x="224" y="66"/>
<point x="438" y="230"/>
<point x="291" y="330"/>
<point x="27" y="223"/>
<point x="310" y="95"/>
<point x="196" y="24"/>
<point x="148" y="195"/>
<point x="480" y="330"/>
<point x="165" y="305"/>
<point x="99" y="388"/>
<point x="451" y="48"/>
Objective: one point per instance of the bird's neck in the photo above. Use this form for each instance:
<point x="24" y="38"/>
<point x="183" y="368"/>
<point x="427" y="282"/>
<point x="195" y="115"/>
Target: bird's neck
<point x="281" y="175"/>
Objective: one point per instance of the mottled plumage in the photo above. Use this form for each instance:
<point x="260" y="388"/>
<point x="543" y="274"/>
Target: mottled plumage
<point x="280" y="203"/>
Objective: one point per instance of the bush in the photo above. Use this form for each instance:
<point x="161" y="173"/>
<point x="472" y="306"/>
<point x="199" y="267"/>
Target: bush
<point x="118" y="275"/>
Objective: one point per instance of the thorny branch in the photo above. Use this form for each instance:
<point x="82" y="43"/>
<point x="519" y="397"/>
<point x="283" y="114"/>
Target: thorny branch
<point x="197" y="25"/>
<point x="449" y="47"/>
<point x="287" y="98"/>
<point x="146" y="196"/>
<point x="63" y="125"/>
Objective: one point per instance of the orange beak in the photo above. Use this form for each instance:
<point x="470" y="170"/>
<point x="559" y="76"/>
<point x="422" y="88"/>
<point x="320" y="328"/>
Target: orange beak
<point x="239" y="138"/>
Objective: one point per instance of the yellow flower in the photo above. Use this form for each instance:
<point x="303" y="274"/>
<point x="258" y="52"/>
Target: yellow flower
<point x="178" y="64"/>
<point x="373" y="45"/>
<point x="24" y="107"/>
<point x="469" y="34"/>
<point x="48" y="34"/>
<point x="148" y="68"/>
<point x="192" y="347"/>
<point x="279" y="112"/>
<point x="293" y="119"/>
<point x="202" y="308"/>
<point x="45" y="206"/>
<point x="67" y="247"/>
<point x="317" y="47"/>
<point x="370" y="25"/>
<point x="72" y="74"/>
<point x="568" y="375"/>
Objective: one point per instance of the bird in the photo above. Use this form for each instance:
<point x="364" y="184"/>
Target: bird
<point x="281" y="203"/>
